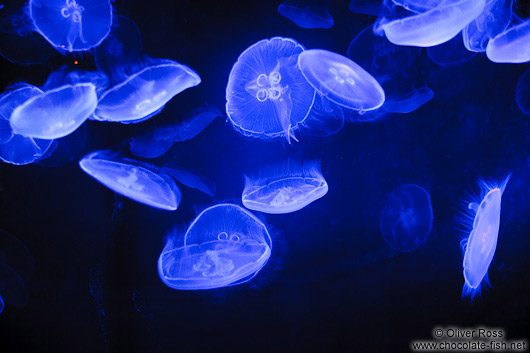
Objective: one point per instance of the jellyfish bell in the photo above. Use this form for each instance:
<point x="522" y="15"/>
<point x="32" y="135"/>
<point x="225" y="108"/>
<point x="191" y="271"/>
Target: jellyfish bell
<point x="224" y="246"/>
<point x="307" y="13"/>
<point x="511" y="46"/>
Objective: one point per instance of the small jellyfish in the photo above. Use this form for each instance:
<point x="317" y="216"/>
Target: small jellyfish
<point x="434" y="26"/>
<point x="407" y="216"/>
<point x="267" y="96"/>
<point x="285" y="188"/>
<point x="511" y="46"/>
<point x="408" y="102"/>
<point x="224" y="246"/>
<point x="307" y="13"/>
<point x="522" y="93"/>
<point x="451" y="52"/>
<point x="482" y="220"/>
<point x="14" y="148"/>
<point x="140" y="86"/>
<point x="72" y="25"/>
<point x="341" y="80"/>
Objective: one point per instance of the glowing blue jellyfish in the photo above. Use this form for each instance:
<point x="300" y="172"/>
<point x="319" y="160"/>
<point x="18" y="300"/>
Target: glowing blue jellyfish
<point x="307" y="13"/>
<point x="451" y="52"/>
<point x="341" y="80"/>
<point x="408" y="102"/>
<point x="286" y="188"/>
<point x="325" y="119"/>
<point x="522" y="93"/>
<point x="511" y="46"/>
<point x="140" y="86"/>
<point x="72" y="25"/>
<point x="14" y="148"/>
<point x="267" y="96"/>
<point x="407" y="216"/>
<point x="224" y="246"/>
<point x="434" y="26"/>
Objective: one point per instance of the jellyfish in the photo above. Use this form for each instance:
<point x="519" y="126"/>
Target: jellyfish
<point x="434" y="26"/>
<point x="267" y="96"/>
<point x="140" y="182"/>
<point x="408" y="102"/>
<point x="140" y="86"/>
<point x="511" y="46"/>
<point x="451" y="52"/>
<point x="482" y="220"/>
<point x="522" y="93"/>
<point x="325" y="118"/>
<point x="72" y="25"/>
<point x="407" y="216"/>
<point x="307" y="13"/>
<point x="14" y="148"/>
<point x="372" y="7"/>
<point x="285" y="188"/>
<point x="224" y="246"/>
<point x="157" y="142"/>
<point x="341" y="80"/>
<point x="65" y="150"/>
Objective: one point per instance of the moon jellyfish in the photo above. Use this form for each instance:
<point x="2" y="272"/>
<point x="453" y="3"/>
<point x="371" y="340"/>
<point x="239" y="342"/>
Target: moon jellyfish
<point x="325" y="119"/>
<point x="482" y="220"/>
<point x="72" y="25"/>
<point x="341" y="80"/>
<point x="224" y="246"/>
<point x="434" y="26"/>
<point x="511" y="46"/>
<point x="140" y="86"/>
<point x="267" y="96"/>
<point x="451" y="52"/>
<point x="307" y="13"/>
<point x="285" y="188"/>
<point x="522" y="93"/>
<point x="407" y="216"/>
<point x="14" y="148"/>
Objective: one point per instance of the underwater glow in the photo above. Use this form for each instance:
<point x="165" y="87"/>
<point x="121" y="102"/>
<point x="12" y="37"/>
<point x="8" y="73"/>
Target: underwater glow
<point x="341" y="80"/>
<point x="406" y="219"/>
<point x="511" y="46"/>
<point x="307" y="13"/>
<point x="224" y="246"/>
<point x="408" y="102"/>
<point x="266" y="95"/>
<point x="72" y="25"/>
<point x="285" y="188"/>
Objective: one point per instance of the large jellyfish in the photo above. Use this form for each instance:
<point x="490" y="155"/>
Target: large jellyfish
<point x="482" y="220"/>
<point x="407" y="216"/>
<point x="267" y="96"/>
<point x="522" y="93"/>
<point x="432" y="26"/>
<point x="14" y="148"/>
<point x="341" y="80"/>
<point x="307" y="13"/>
<point x="285" y="188"/>
<point x="511" y="46"/>
<point x="224" y="246"/>
<point x="72" y="25"/>
<point x="140" y="86"/>
<point x="140" y="182"/>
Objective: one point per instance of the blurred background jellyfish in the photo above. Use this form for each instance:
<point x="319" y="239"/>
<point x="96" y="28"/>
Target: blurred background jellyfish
<point x="408" y="102"/>
<point x="140" y="86"/>
<point x="72" y="25"/>
<point x="482" y="221"/>
<point x="224" y="246"/>
<point x="14" y="148"/>
<point x="341" y="80"/>
<point x="522" y="93"/>
<point x="372" y="7"/>
<point x="285" y="188"/>
<point x="407" y="217"/>
<point x="307" y="13"/>
<point x="267" y="96"/>
<point x="511" y="46"/>
<point x="451" y="52"/>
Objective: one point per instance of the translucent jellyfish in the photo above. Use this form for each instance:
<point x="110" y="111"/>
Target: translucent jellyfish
<point x="407" y="216"/>
<point x="72" y="25"/>
<point x="522" y="93"/>
<point x="140" y="86"/>
<point x="482" y="221"/>
<point x="408" y="102"/>
<point x="325" y="119"/>
<point x="140" y="182"/>
<point x="267" y="96"/>
<point x="157" y="142"/>
<point x="341" y="80"/>
<point x="418" y="6"/>
<point x="451" y="52"/>
<point x="224" y="246"/>
<point x="14" y="148"/>
<point x="434" y="26"/>
<point x="285" y="188"/>
<point x="511" y="46"/>
<point x="307" y="13"/>
<point x="372" y="7"/>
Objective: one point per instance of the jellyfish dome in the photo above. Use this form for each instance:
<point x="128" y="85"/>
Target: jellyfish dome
<point x="407" y="216"/>
<point x="72" y="25"/>
<point x="267" y="96"/>
<point x="224" y="246"/>
<point x="14" y="148"/>
<point x="341" y="80"/>
<point x="286" y="188"/>
<point x="511" y="46"/>
<point x="307" y="13"/>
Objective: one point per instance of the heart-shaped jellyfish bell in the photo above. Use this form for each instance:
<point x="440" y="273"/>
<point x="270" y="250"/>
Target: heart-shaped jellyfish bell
<point x="224" y="246"/>
<point x="307" y="13"/>
<point x="140" y="86"/>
